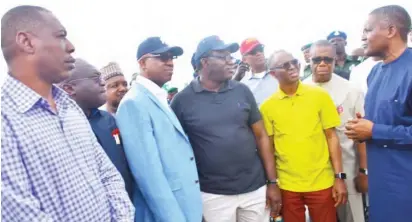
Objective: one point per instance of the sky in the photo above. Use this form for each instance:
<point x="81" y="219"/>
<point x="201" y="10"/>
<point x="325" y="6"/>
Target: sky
<point x="105" y="31"/>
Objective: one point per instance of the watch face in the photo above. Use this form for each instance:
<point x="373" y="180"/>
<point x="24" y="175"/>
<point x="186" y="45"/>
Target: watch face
<point x="340" y="176"/>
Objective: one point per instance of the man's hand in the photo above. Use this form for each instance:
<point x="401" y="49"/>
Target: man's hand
<point x="273" y="199"/>
<point x="361" y="183"/>
<point x="241" y="70"/>
<point x="359" y="129"/>
<point x="339" y="192"/>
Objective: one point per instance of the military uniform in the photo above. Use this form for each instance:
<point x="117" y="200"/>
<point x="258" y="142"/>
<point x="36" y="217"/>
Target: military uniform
<point x="306" y="70"/>
<point x="345" y="70"/>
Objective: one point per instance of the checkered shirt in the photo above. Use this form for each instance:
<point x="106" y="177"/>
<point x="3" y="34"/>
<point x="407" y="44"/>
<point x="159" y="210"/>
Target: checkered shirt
<point x="52" y="167"/>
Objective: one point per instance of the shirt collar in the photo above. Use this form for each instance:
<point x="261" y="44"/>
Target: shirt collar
<point x="150" y="85"/>
<point x="94" y="113"/>
<point x="249" y="75"/>
<point x="300" y="91"/>
<point x="334" y="80"/>
<point x="25" y="98"/>
<point x="197" y="86"/>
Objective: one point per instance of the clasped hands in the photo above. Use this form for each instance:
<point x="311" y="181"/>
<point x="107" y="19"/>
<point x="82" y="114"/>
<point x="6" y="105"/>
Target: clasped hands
<point x="359" y="129"/>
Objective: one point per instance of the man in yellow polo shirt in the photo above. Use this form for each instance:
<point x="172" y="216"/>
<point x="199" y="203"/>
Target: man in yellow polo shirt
<point x="300" y="120"/>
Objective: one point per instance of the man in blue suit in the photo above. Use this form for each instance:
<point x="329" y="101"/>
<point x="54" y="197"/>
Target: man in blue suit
<point x="160" y="155"/>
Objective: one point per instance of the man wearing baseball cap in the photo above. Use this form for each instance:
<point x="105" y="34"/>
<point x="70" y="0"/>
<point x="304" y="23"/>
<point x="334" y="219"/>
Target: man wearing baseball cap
<point x="344" y="63"/>
<point x="257" y="78"/>
<point x="232" y="149"/>
<point x="159" y="153"/>
<point x="115" y="84"/>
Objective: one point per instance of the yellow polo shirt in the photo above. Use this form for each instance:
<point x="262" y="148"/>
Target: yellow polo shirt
<point x="296" y="124"/>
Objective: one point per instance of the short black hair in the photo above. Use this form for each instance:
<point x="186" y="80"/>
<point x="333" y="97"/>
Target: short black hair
<point x="18" y="19"/>
<point x="395" y="15"/>
<point x="322" y="43"/>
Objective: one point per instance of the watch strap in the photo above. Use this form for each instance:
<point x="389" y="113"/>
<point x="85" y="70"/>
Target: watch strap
<point x="363" y="170"/>
<point x="340" y="176"/>
<point x="276" y="181"/>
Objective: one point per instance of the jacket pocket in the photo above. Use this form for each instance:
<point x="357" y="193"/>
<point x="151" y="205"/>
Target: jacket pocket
<point x="175" y="184"/>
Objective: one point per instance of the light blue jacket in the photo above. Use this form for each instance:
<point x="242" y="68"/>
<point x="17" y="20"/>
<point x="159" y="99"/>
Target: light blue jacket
<point x="161" y="160"/>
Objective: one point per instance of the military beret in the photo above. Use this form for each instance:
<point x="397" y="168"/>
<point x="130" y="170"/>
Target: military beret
<point x="336" y="34"/>
<point x="306" y="47"/>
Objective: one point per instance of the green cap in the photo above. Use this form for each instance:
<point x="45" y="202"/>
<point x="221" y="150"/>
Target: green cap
<point x="169" y="88"/>
<point x="306" y="47"/>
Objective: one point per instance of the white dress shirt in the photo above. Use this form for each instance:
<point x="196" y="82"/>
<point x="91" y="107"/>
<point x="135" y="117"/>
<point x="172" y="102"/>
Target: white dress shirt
<point x="360" y="73"/>
<point x="158" y="92"/>
<point x="349" y="100"/>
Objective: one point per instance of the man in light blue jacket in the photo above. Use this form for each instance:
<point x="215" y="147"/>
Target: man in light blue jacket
<point x="159" y="153"/>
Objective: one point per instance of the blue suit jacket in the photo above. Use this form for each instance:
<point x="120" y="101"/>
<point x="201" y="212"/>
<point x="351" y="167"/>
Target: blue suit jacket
<point x="161" y="160"/>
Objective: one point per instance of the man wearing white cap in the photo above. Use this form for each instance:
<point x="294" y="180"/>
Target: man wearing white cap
<point x="116" y="86"/>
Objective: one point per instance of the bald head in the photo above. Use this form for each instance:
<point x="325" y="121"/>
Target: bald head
<point x="397" y="16"/>
<point x="275" y="57"/>
<point x="25" y="18"/>
<point x="85" y="85"/>
<point x="82" y="70"/>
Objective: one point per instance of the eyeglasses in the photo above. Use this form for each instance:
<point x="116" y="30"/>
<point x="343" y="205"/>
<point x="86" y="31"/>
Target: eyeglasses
<point x="287" y="65"/>
<point x="319" y="59"/>
<point x="97" y="79"/>
<point x="164" y="57"/>
<point x="256" y="50"/>
<point x="226" y="58"/>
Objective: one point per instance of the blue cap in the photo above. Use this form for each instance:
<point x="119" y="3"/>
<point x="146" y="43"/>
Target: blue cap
<point x="336" y="34"/>
<point x="154" y="45"/>
<point x="193" y="62"/>
<point x="213" y="43"/>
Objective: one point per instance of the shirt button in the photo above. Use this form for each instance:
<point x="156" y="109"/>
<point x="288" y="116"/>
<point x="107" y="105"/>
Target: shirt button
<point x="396" y="100"/>
<point x="385" y="146"/>
<point x="197" y="181"/>
<point x="191" y="158"/>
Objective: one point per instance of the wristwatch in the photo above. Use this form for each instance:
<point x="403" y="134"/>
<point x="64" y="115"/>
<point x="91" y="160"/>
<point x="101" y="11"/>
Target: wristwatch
<point x="275" y="181"/>
<point x="340" y="176"/>
<point x="363" y="170"/>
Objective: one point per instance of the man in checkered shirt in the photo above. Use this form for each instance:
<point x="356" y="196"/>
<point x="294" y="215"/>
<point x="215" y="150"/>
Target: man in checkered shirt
<point x="52" y="167"/>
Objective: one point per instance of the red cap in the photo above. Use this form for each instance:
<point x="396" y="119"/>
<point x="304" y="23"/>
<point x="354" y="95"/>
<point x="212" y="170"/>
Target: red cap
<point x="248" y="45"/>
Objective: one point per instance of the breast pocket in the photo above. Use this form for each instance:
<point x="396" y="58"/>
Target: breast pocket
<point x="392" y="108"/>
<point x="242" y="111"/>
<point x="175" y="184"/>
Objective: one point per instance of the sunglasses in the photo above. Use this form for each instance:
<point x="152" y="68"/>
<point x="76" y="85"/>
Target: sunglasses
<point x="97" y="79"/>
<point x="165" y="57"/>
<point x="226" y="58"/>
<point x="319" y="59"/>
<point x="256" y="50"/>
<point x="287" y="65"/>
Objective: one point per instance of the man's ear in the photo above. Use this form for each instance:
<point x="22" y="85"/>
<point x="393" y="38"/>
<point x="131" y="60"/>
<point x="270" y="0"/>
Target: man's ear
<point x="203" y="62"/>
<point x="68" y="88"/>
<point x="24" y="42"/>
<point x="392" y="30"/>
<point x="142" y="63"/>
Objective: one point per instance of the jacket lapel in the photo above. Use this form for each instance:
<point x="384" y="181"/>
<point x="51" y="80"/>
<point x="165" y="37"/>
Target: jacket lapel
<point x="169" y="113"/>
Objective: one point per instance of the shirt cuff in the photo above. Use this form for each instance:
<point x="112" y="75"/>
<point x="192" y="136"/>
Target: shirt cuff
<point x="380" y="131"/>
